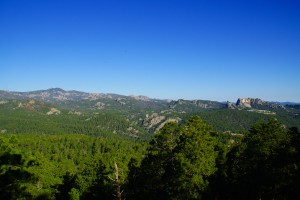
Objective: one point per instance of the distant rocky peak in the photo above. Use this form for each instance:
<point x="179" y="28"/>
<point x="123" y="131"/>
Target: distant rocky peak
<point x="256" y="103"/>
<point x="55" y="90"/>
<point x="249" y="102"/>
<point x="140" y="98"/>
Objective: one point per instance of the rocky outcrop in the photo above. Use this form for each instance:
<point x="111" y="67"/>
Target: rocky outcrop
<point x="167" y="121"/>
<point x="153" y="120"/>
<point x="200" y="104"/>
<point x="29" y="105"/>
<point x="75" y="112"/>
<point x="53" y="111"/>
<point x="140" y="98"/>
<point x="3" y="131"/>
<point x="3" y="102"/>
<point x="99" y="105"/>
<point x="257" y="103"/>
<point x="248" y="102"/>
<point x="121" y="100"/>
<point x="231" y="105"/>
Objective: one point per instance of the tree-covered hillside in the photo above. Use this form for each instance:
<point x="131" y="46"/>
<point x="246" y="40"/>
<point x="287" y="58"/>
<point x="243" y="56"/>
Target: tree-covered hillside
<point x="183" y="161"/>
<point x="135" y="121"/>
<point x="62" y="166"/>
<point x="57" y="144"/>
<point x="38" y="117"/>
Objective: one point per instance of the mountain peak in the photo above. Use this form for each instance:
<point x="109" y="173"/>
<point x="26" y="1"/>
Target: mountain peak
<point x="55" y="90"/>
<point x="140" y="97"/>
<point x="256" y="103"/>
<point x="248" y="102"/>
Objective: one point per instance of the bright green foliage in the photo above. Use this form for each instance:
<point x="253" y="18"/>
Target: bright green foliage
<point x="182" y="161"/>
<point x="74" y="194"/>
<point x="129" y="119"/>
<point x="65" y="166"/>
<point x="178" y="163"/>
<point x="195" y="156"/>
<point x="31" y="118"/>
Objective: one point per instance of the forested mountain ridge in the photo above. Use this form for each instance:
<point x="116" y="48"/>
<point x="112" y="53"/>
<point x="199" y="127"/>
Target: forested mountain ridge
<point x="57" y="144"/>
<point x="58" y="94"/>
<point x="142" y="114"/>
<point x="55" y="95"/>
<point x="183" y="161"/>
<point x="33" y="116"/>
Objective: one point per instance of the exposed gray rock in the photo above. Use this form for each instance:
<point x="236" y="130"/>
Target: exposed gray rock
<point x="3" y="102"/>
<point x="248" y="102"/>
<point x="153" y="120"/>
<point x="256" y="103"/>
<point x="168" y="120"/>
<point x="100" y="105"/>
<point x="121" y="100"/>
<point x="3" y="131"/>
<point x="140" y="98"/>
<point x="75" y="112"/>
<point x="53" y="111"/>
<point x="231" y="105"/>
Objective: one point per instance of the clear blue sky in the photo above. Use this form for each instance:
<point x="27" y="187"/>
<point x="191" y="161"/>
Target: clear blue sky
<point x="201" y="49"/>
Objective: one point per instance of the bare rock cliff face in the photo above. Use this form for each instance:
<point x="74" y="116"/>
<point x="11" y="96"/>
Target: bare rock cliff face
<point x="257" y="103"/>
<point x="248" y="102"/>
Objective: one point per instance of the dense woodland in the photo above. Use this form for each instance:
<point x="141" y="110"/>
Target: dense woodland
<point x="176" y="150"/>
<point x="183" y="161"/>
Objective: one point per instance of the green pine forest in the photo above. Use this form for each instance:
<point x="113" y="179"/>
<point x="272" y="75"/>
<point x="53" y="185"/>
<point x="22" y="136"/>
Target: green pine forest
<point x="207" y="154"/>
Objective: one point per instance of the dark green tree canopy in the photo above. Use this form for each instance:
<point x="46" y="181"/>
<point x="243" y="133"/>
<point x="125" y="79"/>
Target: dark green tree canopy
<point x="263" y="165"/>
<point x="179" y="161"/>
<point x="13" y="173"/>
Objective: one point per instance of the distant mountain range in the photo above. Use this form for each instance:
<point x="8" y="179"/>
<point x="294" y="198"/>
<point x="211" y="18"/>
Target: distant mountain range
<point x="53" y="94"/>
<point x="58" y="94"/>
<point x="139" y="114"/>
